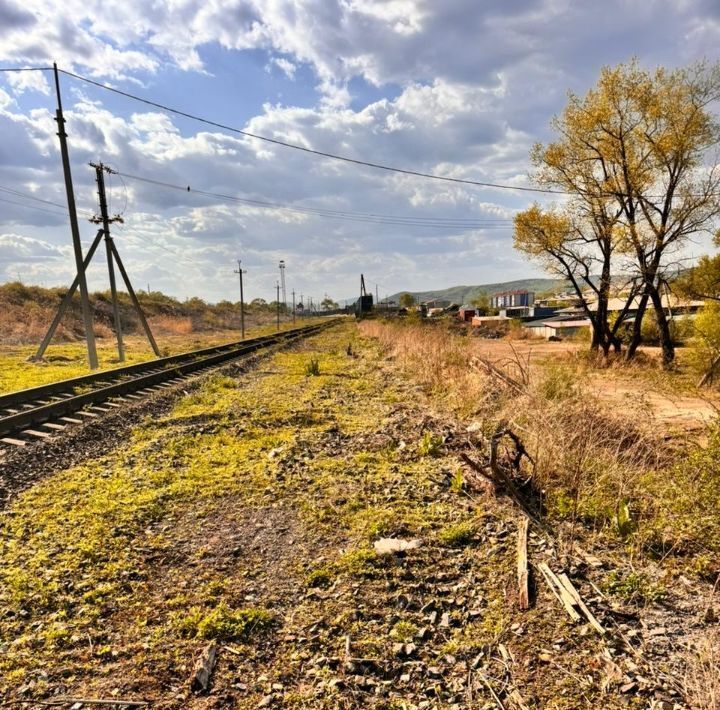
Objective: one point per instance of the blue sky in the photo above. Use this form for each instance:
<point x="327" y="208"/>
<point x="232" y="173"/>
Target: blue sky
<point x="459" y="88"/>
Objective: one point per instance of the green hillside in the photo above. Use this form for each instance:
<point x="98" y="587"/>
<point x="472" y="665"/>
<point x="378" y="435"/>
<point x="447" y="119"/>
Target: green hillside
<point x="464" y="294"/>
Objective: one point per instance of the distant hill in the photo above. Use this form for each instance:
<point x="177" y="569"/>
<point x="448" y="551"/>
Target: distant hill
<point x="26" y="313"/>
<point x="464" y="294"/>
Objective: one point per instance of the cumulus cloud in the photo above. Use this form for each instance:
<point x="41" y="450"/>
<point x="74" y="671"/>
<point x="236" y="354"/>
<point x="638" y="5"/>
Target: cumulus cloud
<point x="450" y="87"/>
<point x="15" y="249"/>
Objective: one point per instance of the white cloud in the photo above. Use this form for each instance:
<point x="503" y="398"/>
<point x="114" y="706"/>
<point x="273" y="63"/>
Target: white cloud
<point x="463" y="90"/>
<point x="16" y="248"/>
<point x="284" y="65"/>
<point x="28" y="81"/>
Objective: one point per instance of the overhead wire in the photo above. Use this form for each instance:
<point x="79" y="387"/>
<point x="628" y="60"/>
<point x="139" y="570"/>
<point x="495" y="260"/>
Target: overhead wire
<point x="373" y="218"/>
<point x="25" y="195"/>
<point x="34" y="207"/>
<point x="440" y="222"/>
<point x="305" y="149"/>
<point x="17" y="69"/>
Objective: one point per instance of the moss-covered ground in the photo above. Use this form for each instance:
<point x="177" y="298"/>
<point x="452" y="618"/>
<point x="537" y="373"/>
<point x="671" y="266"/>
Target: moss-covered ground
<point x="65" y="360"/>
<point x="248" y="514"/>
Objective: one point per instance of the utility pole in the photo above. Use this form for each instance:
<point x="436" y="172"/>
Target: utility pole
<point x="240" y="272"/>
<point x="113" y="255"/>
<point x="377" y="298"/>
<point x="75" y="229"/>
<point x="105" y="220"/>
<point x="277" y="302"/>
<point x="282" y="283"/>
<point x="293" y="294"/>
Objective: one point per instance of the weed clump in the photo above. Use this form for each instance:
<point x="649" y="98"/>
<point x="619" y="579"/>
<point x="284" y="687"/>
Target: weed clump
<point x="404" y="631"/>
<point x="223" y="623"/>
<point x="557" y="383"/>
<point x="312" y="368"/>
<point x="634" y="587"/>
<point x="457" y="535"/>
<point x="430" y="444"/>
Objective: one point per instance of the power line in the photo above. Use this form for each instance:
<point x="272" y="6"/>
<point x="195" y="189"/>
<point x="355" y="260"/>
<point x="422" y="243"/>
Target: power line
<point x="294" y="146"/>
<point x="27" y="196"/>
<point x="33" y="207"/>
<point x="15" y="69"/>
<point x="12" y="191"/>
<point x="408" y="221"/>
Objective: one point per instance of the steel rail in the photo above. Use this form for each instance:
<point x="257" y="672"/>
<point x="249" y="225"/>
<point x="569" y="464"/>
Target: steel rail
<point x="62" y="407"/>
<point x="40" y="392"/>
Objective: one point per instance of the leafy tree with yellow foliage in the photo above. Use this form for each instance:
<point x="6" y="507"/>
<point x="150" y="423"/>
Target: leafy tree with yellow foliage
<point x="632" y="159"/>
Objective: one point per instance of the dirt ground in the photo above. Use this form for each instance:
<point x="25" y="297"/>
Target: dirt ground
<point x="679" y="406"/>
<point x="248" y="514"/>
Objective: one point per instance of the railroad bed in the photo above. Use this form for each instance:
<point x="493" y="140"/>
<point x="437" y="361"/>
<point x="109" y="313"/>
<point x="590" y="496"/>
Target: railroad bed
<point x="40" y="413"/>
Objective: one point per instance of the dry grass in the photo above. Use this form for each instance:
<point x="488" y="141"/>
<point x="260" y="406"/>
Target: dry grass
<point x="436" y="360"/>
<point x="702" y="679"/>
<point x="170" y="325"/>
<point x="598" y="467"/>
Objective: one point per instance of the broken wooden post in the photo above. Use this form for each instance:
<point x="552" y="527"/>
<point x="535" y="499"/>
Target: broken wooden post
<point x="522" y="565"/>
<point x="569" y="597"/>
<point x="200" y="679"/>
<point x="559" y="591"/>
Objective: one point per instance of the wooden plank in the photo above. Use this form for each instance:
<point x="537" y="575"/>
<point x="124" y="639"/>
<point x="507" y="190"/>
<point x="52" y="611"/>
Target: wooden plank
<point x="13" y="442"/>
<point x="37" y="434"/>
<point x="70" y="420"/>
<point x="559" y="591"/>
<point x="55" y="427"/>
<point x="84" y="413"/>
<point x="568" y="585"/>
<point x="522" y="565"/>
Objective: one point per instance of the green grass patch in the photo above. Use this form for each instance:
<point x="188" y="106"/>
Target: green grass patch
<point x="223" y="623"/>
<point x="457" y="534"/>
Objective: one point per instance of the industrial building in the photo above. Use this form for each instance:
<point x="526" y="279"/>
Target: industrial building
<point x="512" y="299"/>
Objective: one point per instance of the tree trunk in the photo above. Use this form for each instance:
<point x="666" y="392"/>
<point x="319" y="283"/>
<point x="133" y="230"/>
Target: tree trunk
<point x="637" y="325"/>
<point x="666" y="342"/>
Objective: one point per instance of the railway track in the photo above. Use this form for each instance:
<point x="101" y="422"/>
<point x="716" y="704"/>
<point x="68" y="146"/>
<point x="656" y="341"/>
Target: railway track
<point x="41" y="413"/>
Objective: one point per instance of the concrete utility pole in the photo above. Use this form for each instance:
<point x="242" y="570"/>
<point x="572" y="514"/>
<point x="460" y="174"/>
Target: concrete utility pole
<point x="105" y="220"/>
<point x="282" y="283"/>
<point x="277" y="302"/>
<point x="240" y="272"/>
<point x="293" y="294"/>
<point x="75" y="229"/>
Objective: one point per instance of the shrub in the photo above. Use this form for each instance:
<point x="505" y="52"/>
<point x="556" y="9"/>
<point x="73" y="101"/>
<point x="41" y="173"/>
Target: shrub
<point x="706" y="344"/>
